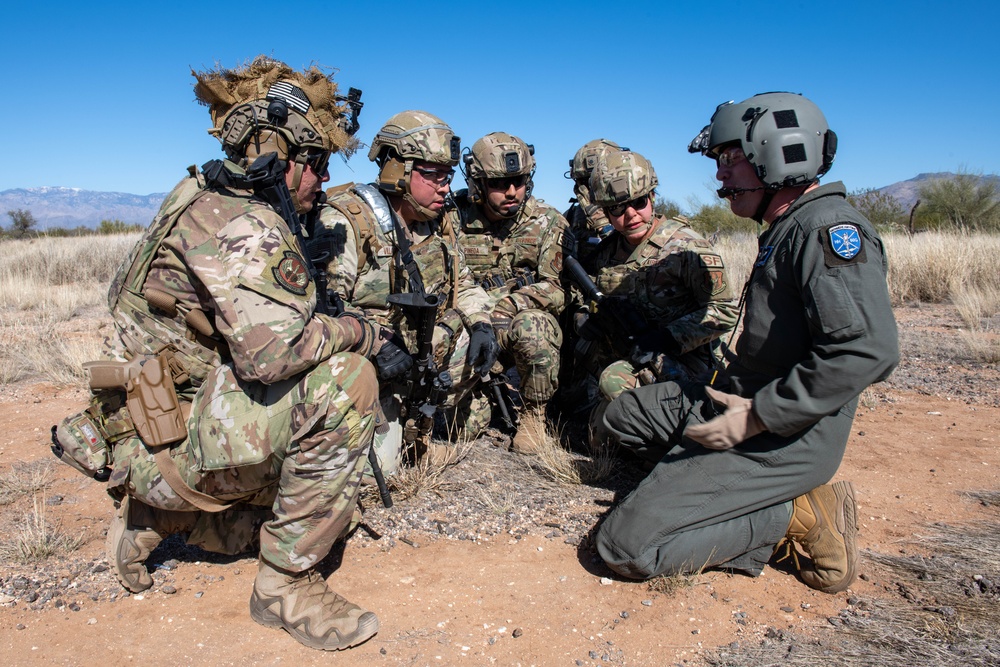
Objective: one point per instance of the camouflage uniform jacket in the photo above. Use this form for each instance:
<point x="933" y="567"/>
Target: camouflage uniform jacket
<point x="588" y="224"/>
<point x="674" y="278"/>
<point x="364" y="270"/>
<point x="526" y="250"/>
<point x="232" y="257"/>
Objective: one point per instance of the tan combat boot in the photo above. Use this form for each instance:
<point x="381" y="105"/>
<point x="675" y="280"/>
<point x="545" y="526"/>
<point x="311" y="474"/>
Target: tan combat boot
<point x="308" y="610"/>
<point x="531" y="431"/>
<point x="825" y="524"/>
<point x="129" y="545"/>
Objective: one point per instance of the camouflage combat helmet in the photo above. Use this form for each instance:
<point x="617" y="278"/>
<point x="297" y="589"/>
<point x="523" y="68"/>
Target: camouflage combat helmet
<point x="586" y="159"/>
<point x="621" y="176"/>
<point x="784" y="136"/>
<point x="406" y="137"/>
<point x="498" y="155"/>
<point x="267" y="107"/>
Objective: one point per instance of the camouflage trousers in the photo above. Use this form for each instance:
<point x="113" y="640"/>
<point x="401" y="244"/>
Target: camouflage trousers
<point x="622" y="375"/>
<point x="298" y="447"/>
<point x="533" y="342"/>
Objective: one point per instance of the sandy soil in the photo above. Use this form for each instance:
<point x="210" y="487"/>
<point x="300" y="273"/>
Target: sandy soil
<point x="535" y="595"/>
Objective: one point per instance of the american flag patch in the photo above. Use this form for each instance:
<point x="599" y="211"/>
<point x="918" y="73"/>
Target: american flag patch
<point x="290" y="94"/>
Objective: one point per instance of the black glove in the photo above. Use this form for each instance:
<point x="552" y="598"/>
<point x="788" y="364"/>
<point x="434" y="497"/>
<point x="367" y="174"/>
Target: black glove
<point x="483" y="347"/>
<point x="392" y="360"/>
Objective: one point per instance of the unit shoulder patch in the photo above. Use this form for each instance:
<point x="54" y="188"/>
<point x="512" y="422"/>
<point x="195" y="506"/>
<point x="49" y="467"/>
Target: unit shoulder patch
<point x="291" y="273"/>
<point x="842" y="244"/>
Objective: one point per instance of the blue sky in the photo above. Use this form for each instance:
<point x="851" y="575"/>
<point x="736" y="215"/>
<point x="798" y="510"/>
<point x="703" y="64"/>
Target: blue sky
<point x="98" y="95"/>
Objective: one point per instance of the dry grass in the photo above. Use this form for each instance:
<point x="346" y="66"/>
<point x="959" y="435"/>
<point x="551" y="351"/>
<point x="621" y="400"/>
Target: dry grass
<point x="555" y="461"/>
<point x="52" y="301"/>
<point x="426" y="476"/>
<point x="926" y="267"/>
<point x="24" y="479"/>
<point x="946" y="612"/>
<point x="35" y="539"/>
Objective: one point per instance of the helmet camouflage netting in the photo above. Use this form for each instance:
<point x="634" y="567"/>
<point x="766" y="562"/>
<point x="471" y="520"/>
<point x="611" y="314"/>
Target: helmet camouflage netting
<point x="238" y="100"/>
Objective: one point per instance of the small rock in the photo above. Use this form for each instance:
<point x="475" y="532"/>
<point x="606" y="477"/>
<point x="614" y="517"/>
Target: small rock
<point x="74" y="606"/>
<point x="624" y="614"/>
<point x="31" y="596"/>
<point x="54" y="500"/>
<point x="100" y="567"/>
<point x="382" y="651"/>
<point x="861" y="433"/>
<point x="593" y="655"/>
<point x="805" y="605"/>
<point x="492" y="640"/>
<point x="605" y="581"/>
<point x="647" y="603"/>
<point x="91" y="621"/>
<point x="834" y="621"/>
<point x="517" y="633"/>
<point x="199" y="594"/>
<point x="20" y="626"/>
<point x="696" y="631"/>
<point x="787" y="610"/>
<point x="168" y="589"/>
<point x="853" y="601"/>
<point x="605" y="657"/>
<point x="863" y="577"/>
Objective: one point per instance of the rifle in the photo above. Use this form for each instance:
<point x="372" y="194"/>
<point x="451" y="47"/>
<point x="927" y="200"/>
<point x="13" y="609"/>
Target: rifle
<point x="614" y="318"/>
<point x="426" y="387"/>
<point x="267" y="177"/>
<point x="501" y="398"/>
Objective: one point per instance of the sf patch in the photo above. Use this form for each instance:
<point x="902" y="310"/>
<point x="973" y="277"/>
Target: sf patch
<point x="291" y="273"/>
<point x="843" y="245"/>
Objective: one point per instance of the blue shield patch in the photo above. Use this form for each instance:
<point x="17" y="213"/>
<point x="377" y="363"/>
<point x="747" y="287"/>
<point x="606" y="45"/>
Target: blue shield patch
<point x="845" y="240"/>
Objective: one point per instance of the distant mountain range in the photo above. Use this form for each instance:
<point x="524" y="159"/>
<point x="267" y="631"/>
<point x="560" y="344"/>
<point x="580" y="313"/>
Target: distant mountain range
<point x="72" y="207"/>
<point x="907" y="192"/>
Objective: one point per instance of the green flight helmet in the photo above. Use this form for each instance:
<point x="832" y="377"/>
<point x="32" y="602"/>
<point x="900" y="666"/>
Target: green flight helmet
<point x="784" y="136"/>
<point x="620" y="176"/>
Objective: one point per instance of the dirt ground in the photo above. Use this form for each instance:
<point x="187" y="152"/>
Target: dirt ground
<point x="520" y="587"/>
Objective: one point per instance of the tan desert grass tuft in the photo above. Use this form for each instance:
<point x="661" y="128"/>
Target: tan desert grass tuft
<point x="556" y="462"/>
<point x="924" y="267"/>
<point x="426" y="476"/>
<point x="498" y="498"/>
<point x="35" y="539"/>
<point x="25" y="478"/>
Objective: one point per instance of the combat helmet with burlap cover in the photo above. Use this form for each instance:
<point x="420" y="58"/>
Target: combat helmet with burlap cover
<point x="621" y="176"/>
<point x="405" y="138"/>
<point x="256" y="108"/>
<point x="498" y="155"/>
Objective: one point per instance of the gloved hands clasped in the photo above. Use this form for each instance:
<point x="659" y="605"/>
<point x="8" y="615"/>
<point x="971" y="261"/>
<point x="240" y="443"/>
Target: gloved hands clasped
<point x="736" y="424"/>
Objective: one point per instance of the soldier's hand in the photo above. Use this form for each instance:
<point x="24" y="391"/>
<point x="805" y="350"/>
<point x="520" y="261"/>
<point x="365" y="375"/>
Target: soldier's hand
<point x="483" y="347"/>
<point x="736" y="424"/>
<point x="365" y="333"/>
<point x="392" y="360"/>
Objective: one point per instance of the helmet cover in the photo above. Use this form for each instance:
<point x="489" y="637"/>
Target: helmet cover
<point x="621" y="176"/>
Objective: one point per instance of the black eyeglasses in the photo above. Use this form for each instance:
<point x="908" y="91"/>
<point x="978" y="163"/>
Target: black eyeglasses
<point x="318" y="161"/>
<point x="438" y="177"/>
<point x="636" y="204"/>
<point x="506" y="182"/>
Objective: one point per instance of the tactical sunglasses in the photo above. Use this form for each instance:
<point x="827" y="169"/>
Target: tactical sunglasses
<point x="506" y="182"/>
<point x="636" y="204"/>
<point x="730" y="156"/>
<point x="438" y="177"/>
<point x="319" y="161"/>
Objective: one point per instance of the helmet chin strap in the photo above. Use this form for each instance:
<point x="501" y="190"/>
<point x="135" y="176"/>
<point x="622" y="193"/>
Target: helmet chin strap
<point x="294" y="189"/>
<point x="421" y="213"/>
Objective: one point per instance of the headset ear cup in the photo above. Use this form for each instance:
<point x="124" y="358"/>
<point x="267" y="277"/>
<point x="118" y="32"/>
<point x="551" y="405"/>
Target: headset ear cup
<point x="269" y="141"/>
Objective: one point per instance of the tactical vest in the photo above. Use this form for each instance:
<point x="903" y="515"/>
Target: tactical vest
<point x="611" y="275"/>
<point x="495" y="258"/>
<point x="378" y="275"/>
<point x="144" y="329"/>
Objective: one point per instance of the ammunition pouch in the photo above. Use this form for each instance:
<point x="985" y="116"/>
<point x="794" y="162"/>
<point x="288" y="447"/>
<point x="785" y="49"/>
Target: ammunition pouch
<point x="84" y="440"/>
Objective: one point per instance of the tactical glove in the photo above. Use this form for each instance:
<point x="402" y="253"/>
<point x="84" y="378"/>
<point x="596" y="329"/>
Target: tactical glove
<point x="736" y="424"/>
<point x="392" y="359"/>
<point x="483" y="347"/>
